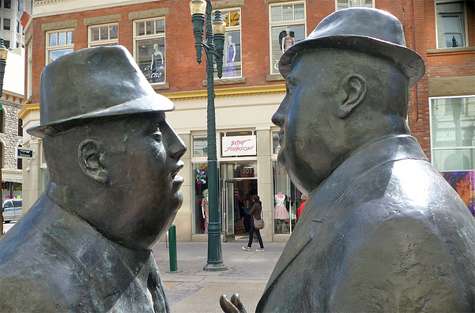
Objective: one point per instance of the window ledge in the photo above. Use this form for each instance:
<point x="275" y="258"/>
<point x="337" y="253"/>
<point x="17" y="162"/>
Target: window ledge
<point x="274" y="77"/>
<point x="226" y="81"/>
<point x="161" y="86"/>
<point x="450" y="50"/>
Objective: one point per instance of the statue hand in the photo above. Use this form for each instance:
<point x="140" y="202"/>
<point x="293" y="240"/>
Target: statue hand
<point x="233" y="306"/>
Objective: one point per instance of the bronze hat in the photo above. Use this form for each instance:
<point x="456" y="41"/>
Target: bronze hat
<point x="366" y="30"/>
<point x="92" y="83"/>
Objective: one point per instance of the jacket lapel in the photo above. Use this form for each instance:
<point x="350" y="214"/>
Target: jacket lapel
<point x="325" y="197"/>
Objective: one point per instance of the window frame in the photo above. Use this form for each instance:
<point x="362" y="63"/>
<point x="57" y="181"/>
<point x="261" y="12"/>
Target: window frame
<point x="9" y="23"/>
<point x="101" y="42"/>
<point x="136" y="37"/>
<point x="373" y="4"/>
<point x="232" y="28"/>
<point x="273" y="24"/>
<point x="432" y="148"/>
<point x="47" y="46"/>
<point x="29" y="70"/>
<point x="467" y="44"/>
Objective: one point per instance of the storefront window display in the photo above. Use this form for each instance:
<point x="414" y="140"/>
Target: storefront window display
<point x="453" y="144"/>
<point x="201" y="214"/>
<point x="149" y="39"/>
<point x="232" y="44"/>
<point x="200" y="146"/>
<point x="287" y="198"/>
<point x="287" y="27"/>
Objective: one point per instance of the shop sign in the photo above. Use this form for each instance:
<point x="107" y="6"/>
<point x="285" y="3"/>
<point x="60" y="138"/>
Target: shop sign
<point x="23" y="153"/>
<point x="238" y="145"/>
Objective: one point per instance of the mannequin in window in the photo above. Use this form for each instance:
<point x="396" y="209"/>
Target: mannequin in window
<point x="281" y="215"/>
<point x="156" y="65"/>
<point x="230" y="56"/>
<point x="204" y="210"/>
<point x="288" y="41"/>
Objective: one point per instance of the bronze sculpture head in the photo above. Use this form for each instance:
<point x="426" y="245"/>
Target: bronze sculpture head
<point x="347" y="84"/>
<point x="113" y="158"/>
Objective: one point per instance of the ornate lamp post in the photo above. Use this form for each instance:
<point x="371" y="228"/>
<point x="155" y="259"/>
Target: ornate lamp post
<point x="3" y="63"/>
<point x="201" y="10"/>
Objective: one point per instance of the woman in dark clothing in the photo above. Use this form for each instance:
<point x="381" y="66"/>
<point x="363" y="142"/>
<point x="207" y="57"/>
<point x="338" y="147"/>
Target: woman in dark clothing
<point x="256" y="213"/>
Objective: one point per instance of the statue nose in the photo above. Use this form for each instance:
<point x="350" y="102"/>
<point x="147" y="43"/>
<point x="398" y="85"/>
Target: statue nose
<point x="176" y="146"/>
<point x="278" y="117"/>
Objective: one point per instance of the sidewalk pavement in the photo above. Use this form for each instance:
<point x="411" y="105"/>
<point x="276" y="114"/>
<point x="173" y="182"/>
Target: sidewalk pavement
<point x="192" y="290"/>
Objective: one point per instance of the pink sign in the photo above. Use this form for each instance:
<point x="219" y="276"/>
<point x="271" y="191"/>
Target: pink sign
<point x="238" y="146"/>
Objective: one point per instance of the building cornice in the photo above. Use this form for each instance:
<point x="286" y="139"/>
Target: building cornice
<point x="193" y="94"/>
<point x="26" y="108"/>
<point x="44" y="8"/>
<point x="226" y="92"/>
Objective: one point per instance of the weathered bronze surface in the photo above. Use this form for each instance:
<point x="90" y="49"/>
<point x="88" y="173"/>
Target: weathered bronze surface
<point x="84" y="246"/>
<point x="382" y="230"/>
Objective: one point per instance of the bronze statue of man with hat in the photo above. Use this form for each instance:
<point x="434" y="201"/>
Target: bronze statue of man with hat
<point x="85" y="245"/>
<point x="382" y="230"/>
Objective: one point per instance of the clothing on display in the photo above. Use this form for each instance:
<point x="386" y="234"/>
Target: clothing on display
<point x="205" y="210"/>
<point x="280" y="209"/>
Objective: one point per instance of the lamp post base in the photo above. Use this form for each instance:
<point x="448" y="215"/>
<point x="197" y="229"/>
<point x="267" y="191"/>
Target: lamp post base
<point x="212" y="267"/>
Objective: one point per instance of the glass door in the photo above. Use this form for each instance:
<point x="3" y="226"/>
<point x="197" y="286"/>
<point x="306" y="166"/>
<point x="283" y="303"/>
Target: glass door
<point x="228" y="209"/>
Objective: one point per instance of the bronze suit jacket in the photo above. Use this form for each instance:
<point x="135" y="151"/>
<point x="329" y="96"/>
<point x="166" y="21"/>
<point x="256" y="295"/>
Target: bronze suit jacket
<point x="383" y="233"/>
<point x="53" y="261"/>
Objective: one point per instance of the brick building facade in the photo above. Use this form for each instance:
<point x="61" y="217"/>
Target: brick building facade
<point x="160" y="32"/>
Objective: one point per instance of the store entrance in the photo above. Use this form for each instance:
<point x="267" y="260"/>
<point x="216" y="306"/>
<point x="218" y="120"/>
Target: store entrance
<point x="238" y="185"/>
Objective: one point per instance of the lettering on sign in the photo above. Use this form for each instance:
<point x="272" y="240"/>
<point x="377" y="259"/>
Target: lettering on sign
<point x="238" y="146"/>
<point x="23" y="153"/>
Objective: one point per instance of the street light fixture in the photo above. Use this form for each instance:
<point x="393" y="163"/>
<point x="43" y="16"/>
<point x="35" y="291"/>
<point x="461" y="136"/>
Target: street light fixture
<point x="3" y="63"/>
<point x="201" y="10"/>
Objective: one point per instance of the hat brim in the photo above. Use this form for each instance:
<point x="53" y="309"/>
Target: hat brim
<point x="147" y="104"/>
<point x="411" y="63"/>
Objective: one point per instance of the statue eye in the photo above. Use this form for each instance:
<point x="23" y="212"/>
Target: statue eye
<point x="157" y="136"/>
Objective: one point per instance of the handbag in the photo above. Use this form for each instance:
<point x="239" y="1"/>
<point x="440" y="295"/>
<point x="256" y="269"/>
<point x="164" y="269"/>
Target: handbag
<point x="258" y="224"/>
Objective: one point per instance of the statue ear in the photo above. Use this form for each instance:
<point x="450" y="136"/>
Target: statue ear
<point x="91" y="160"/>
<point x="354" y="86"/>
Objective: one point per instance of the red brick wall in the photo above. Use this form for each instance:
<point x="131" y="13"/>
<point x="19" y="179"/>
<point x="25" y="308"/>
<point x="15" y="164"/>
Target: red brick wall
<point x="183" y="73"/>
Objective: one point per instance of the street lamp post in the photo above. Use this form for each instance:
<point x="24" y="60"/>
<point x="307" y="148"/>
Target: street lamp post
<point x="3" y="63"/>
<point x="201" y="11"/>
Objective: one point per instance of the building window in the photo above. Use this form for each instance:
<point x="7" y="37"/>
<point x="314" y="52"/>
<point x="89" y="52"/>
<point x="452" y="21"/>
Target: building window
<point x="453" y="143"/>
<point x="29" y="73"/>
<point x="18" y="27"/>
<point x="344" y="4"/>
<point x="6" y="24"/>
<point x="287" y="198"/>
<point x="200" y="147"/>
<point x="20" y="127"/>
<point x="149" y="48"/>
<point x="6" y="43"/>
<point x="200" y="206"/>
<point x="287" y="27"/>
<point x="7" y="4"/>
<point x="2" y="149"/>
<point x="232" y="66"/>
<point x="58" y="43"/>
<point x="19" y="161"/>
<point x="450" y="24"/>
<point x="103" y="35"/>
<point x="2" y="120"/>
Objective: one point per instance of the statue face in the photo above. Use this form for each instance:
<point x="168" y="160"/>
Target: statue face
<point x="141" y="159"/>
<point x="310" y="133"/>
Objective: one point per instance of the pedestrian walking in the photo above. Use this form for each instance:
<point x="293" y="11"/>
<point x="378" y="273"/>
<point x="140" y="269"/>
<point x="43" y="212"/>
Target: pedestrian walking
<point x="257" y="223"/>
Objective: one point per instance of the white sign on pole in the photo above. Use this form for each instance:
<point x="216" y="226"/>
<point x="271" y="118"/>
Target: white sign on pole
<point x="238" y="146"/>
